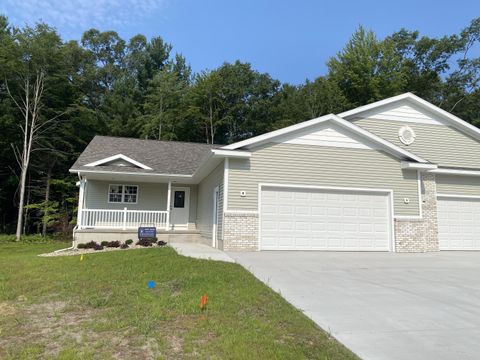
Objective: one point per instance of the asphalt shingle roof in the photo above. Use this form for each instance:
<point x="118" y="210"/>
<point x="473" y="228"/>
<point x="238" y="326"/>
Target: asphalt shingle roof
<point x="164" y="157"/>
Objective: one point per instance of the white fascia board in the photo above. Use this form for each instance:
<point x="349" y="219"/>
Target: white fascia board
<point x="275" y="133"/>
<point x="129" y="173"/>
<point x="456" y="172"/>
<point x="117" y="157"/>
<point x="452" y="119"/>
<point x="374" y="105"/>
<point x="396" y="150"/>
<point x="231" y="153"/>
<point x="418" y="166"/>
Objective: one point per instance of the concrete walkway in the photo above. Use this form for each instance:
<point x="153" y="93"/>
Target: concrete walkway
<point x="382" y="305"/>
<point x="201" y="251"/>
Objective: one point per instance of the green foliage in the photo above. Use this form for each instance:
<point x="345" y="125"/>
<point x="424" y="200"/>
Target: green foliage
<point x="139" y="87"/>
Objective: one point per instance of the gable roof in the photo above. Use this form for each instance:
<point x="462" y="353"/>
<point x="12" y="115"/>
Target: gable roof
<point x="117" y="157"/>
<point x="146" y="156"/>
<point x="389" y="147"/>
<point x="451" y="119"/>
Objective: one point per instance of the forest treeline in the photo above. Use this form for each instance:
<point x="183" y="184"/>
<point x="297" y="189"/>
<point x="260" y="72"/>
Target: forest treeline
<point x="143" y="88"/>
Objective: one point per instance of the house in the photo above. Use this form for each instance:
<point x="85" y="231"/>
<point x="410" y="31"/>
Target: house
<point x="397" y="175"/>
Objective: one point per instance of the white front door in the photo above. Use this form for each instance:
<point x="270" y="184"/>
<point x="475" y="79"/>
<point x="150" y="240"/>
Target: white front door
<point x="180" y="207"/>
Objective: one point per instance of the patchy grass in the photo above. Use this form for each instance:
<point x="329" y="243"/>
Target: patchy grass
<point x="33" y="238"/>
<point x="102" y="308"/>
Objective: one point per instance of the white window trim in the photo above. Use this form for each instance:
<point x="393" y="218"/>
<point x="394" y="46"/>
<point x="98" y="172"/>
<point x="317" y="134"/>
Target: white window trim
<point x="389" y="192"/>
<point x="123" y="194"/>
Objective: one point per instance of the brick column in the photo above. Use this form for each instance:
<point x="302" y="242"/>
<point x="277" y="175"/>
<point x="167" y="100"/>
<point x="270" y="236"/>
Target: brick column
<point x="420" y="235"/>
<point x="240" y="231"/>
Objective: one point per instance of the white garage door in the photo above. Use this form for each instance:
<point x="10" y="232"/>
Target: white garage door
<point x="458" y="223"/>
<point x="297" y="219"/>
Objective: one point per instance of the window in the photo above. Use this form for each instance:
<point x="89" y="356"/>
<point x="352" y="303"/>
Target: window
<point x="123" y="194"/>
<point x="179" y="199"/>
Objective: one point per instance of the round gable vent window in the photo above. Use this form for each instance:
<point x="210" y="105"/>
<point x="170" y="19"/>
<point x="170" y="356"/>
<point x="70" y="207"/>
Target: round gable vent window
<point x="406" y="135"/>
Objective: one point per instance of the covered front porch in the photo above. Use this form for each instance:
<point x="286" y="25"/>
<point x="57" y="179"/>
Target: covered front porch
<point x="124" y="204"/>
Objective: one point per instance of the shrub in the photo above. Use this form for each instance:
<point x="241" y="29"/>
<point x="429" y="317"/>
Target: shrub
<point x="98" y="247"/>
<point x="129" y="242"/>
<point x="124" y="246"/>
<point x="161" y="243"/>
<point x="144" y="242"/>
<point x="113" y="244"/>
<point x="104" y="243"/>
<point x="90" y="245"/>
<point x="81" y="246"/>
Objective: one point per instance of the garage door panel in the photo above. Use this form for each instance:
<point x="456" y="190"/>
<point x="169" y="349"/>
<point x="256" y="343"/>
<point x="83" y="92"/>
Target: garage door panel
<point x="324" y="220"/>
<point x="458" y="223"/>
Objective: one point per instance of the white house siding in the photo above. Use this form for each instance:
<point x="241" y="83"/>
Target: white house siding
<point x="458" y="185"/>
<point x="205" y="201"/>
<point x="439" y="144"/>
<point x="321" y="166"/>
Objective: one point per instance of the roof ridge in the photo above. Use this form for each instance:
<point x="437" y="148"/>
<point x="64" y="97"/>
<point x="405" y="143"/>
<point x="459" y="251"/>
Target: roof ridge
<point x="157" y="141"/>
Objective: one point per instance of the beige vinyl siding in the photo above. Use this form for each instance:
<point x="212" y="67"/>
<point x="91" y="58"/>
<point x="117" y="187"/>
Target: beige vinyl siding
<point x="205" y="200"/>
<point x="440" y="144"/>
<point x="151" y="196"/>
<point x="458" y="185"/>
<point x="321" y="166"/>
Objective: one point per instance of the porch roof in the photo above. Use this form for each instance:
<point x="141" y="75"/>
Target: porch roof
<point x="158" y="157"/>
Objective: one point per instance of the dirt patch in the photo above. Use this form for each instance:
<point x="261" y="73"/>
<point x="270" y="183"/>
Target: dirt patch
<point x="57" y="325"/>
<point x="6" y="309"/>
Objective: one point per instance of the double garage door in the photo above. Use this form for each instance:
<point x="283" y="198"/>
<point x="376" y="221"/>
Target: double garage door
<point x="307" y="219"/>
<point x="458" y="223"/>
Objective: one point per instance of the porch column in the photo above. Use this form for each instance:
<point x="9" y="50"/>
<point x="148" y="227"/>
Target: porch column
<point x="81" y="201"/>
<point x="169" y="199"/>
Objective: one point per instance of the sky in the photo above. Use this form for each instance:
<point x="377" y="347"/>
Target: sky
<point x="291" y="40"/>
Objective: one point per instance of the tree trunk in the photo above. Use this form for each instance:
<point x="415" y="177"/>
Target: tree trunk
<point x="21" y="201"/>
<point x="47" y="200"/>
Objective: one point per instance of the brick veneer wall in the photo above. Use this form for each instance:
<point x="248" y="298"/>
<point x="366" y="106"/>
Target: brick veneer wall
<point x="420" y="235"/>
<point x="240" y="231"/>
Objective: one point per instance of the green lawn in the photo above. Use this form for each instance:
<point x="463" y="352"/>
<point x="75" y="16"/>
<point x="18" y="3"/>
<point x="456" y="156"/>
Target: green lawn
<point x="102" y="308"/>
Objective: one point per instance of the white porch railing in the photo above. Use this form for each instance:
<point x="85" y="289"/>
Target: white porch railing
<point x="121" y="219"/>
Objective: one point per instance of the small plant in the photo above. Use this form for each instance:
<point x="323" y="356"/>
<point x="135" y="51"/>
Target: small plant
<point x="144" y="242"/>
<point x="124" y="246"/>
<point x="81" y="246"/>
<point x="161" y="243"/>
<point x="90" y="245"/>
<point x="104" y="243"/>
<point x="113" y="244"/>
<point x="129" y="242"/>
<point x="98" y="247"/>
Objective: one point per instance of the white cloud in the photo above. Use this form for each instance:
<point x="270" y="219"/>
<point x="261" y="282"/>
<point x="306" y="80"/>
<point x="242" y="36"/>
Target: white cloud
<point x="75" y="16"/>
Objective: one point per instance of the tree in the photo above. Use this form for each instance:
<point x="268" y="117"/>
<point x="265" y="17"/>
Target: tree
<point x="163" y="104"/>
<point x="367" y="69"/>
<point x="34" y="51"/>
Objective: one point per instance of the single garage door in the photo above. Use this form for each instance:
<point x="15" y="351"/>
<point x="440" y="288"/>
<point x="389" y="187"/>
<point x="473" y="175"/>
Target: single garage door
<point x="305" y="219"/>
<point x="458" y="223"/>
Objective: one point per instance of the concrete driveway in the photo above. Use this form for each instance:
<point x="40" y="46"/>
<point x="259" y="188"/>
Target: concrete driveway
<point x="382" y="305"/>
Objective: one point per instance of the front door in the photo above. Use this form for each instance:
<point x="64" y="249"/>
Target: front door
<point x="180" y="207"/>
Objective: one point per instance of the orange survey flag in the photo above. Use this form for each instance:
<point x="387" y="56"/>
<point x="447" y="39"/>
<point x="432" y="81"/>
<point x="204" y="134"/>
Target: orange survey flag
<point x="203" y="302"/>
